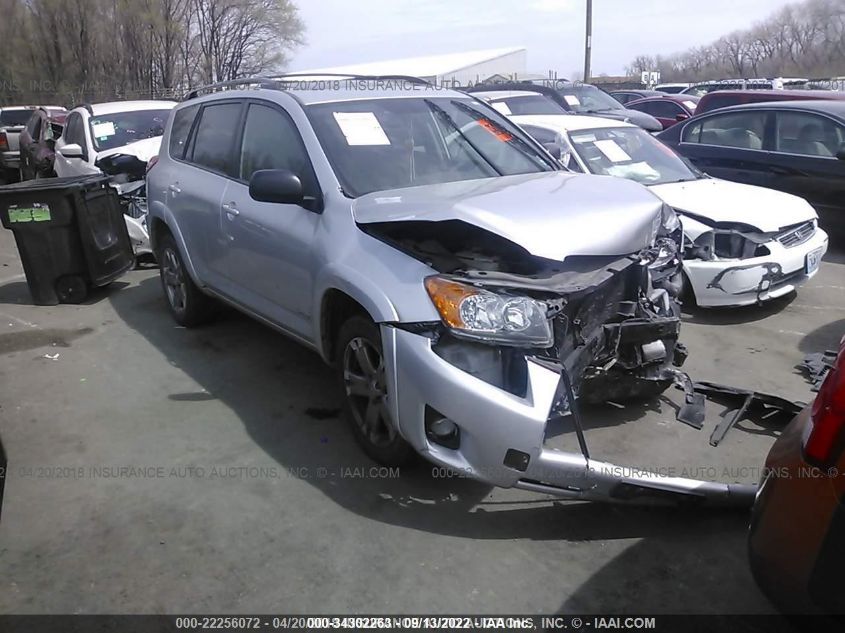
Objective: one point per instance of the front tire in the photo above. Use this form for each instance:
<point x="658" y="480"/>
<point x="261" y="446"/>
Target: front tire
<point x="187" y="303"/>
<point x="363" y="377"/>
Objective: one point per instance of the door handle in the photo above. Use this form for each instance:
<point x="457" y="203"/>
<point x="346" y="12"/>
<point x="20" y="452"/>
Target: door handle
<point x="174" y="188"/>
<point x="231" y="210"/>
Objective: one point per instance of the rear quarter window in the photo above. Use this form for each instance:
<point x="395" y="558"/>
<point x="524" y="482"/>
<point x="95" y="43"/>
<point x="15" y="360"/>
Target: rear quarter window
<point x="213" y="141"/>
<point x="183" y="120"/>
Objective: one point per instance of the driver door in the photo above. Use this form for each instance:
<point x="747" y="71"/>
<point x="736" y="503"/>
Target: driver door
<point x="268" y="247"/>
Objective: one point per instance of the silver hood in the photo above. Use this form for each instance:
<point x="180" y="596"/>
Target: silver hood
<point x="550" y="215"/>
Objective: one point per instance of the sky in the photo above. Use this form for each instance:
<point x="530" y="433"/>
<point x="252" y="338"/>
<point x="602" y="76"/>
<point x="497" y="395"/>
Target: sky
<point x="340" y="32"/>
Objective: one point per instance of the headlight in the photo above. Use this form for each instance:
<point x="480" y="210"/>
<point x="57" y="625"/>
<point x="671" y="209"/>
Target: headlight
<point x="665" y="252"/>
<point x="669" y="221"/>
<point x="481" y="315"/>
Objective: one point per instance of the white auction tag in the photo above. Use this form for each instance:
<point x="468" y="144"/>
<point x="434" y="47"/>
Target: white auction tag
<point x="502" y="107"/>
<point x="102" y="130"/>
<point x="361" y="128"/>
<point x="612" y="150"/>
<point x="572" y="100"/>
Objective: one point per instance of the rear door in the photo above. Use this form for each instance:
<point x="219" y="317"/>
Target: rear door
<point x="194" y="190"/>
<point x="731" y="145"/>
<point x="268" y="251"/>
<point x="804" y="160"/>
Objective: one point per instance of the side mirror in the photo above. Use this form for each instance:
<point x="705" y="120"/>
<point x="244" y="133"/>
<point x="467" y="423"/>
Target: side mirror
<point x="554" y="149"/>
<point x="276" y="185"/>
<point x="841" y="153"/>
<point x="681" y="117"/>
<point x="73" y="150"/>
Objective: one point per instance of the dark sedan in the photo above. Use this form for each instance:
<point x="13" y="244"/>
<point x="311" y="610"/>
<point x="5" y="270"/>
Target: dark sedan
<point x="577" y="99"/>
<point x="792" y="146"/>
<point x="38" y="142"/>
<point x="668" y="109"/>
<point x="626" y="96"/>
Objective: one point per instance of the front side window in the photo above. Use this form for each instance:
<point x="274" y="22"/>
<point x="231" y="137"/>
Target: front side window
<point x="33" y="127"/>
<point x="808" y="135"/>
<point x="271" y="141"/>
<point x="664" y="109"/>
<point x="109" y="131"/>
<point x="215" y="135"/>
<point x="631" y="153"/>
<point x="743" y="130"/>
<point x="74" y="132"/>
<point x="382" y="144"/>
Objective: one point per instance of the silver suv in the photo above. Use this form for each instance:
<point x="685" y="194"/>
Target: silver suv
<point x="466" y="288"/>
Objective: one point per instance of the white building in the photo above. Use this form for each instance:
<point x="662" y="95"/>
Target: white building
<point x="465" y="68"/>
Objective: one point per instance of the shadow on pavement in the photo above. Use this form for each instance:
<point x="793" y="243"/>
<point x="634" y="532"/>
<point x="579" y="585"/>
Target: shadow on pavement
<point x="245" y="365"/>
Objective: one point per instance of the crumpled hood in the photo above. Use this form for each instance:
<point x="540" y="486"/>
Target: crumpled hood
<point x="551" y="215"/>
<point x="143" y="150"/>
<point x="724" y="201"/>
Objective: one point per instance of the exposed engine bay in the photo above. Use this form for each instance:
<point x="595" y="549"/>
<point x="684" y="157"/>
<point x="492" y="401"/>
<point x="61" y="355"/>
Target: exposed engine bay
<point x="615" y="319"/>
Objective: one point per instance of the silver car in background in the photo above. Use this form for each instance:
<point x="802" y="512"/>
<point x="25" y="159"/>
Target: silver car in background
<point x="466" y="289"/>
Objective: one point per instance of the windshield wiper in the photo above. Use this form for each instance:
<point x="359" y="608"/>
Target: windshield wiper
<point x="524" y="147"/>
<point x="448" y="120"/>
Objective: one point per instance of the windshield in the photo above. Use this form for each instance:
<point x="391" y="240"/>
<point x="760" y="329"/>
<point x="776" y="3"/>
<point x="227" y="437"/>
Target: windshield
<point x="586" y="99"/>
<point x="109" y="131"/>
<point x="14" y="117"/>
<point x="532" y="104"/>
<point x="630" y="153"/>
<point x="374" y="145"/>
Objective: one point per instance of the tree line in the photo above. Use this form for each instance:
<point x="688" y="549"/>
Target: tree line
<point x="803" y="39"/>
<point x="76" y="51"/>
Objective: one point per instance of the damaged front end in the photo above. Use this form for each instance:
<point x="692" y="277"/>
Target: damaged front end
<point x="128" y="173"/>
<point x="611" y="323"/>
<point x="521" y="341"/>
<point x="732" y="264"/>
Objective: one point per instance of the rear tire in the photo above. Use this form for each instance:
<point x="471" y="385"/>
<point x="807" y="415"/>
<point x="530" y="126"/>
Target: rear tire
<point x="362" y="376"/>
<point x="187" y="303"/>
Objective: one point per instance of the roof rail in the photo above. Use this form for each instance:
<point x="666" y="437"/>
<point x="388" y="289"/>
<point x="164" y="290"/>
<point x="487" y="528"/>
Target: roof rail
<point x="526" y="86"/>
<point x="276" y="82"/>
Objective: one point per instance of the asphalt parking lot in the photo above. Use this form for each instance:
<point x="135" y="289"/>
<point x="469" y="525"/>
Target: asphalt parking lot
<point x="161" y="470"/>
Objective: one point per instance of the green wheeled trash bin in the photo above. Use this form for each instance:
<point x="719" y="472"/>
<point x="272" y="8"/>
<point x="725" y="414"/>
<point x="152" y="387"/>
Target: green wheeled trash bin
<point x="70" y="233"/>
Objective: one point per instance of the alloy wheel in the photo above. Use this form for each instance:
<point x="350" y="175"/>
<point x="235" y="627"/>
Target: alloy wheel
<point x="366" y="388"/>
<point x="173" y="276"/>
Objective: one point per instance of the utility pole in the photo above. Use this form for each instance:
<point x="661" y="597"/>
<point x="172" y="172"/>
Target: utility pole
<point x="588" y="47"/>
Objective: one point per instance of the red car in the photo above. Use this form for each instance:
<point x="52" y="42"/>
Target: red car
<point x="38" y="142"/>
<point x="726" y="98"/>
<point x="668" y="109"/>
<point x="797" y="535"/>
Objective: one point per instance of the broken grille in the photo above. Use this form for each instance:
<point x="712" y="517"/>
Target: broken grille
<point x="795" y="235"/>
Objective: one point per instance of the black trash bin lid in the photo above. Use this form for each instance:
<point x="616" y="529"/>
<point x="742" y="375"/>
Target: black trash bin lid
<point x="42" y="185"/>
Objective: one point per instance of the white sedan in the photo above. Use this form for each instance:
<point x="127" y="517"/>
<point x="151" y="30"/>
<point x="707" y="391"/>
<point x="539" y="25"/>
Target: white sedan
<point x="97" y="132"/>
<point x="742" y="244"/>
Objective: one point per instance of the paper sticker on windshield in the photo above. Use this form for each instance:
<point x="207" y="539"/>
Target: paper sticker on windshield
<point x="103" y="130"/>
<point x="572" y="100"/>
<point x="361" y="128"/>
<point x="502" y="107"/>
<point x="635" y="171"/>
<point x="36" y="213"/>
<point x="691" y="105"/>
<point x="580" y="139"/>
<point x="612" y="150"/>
